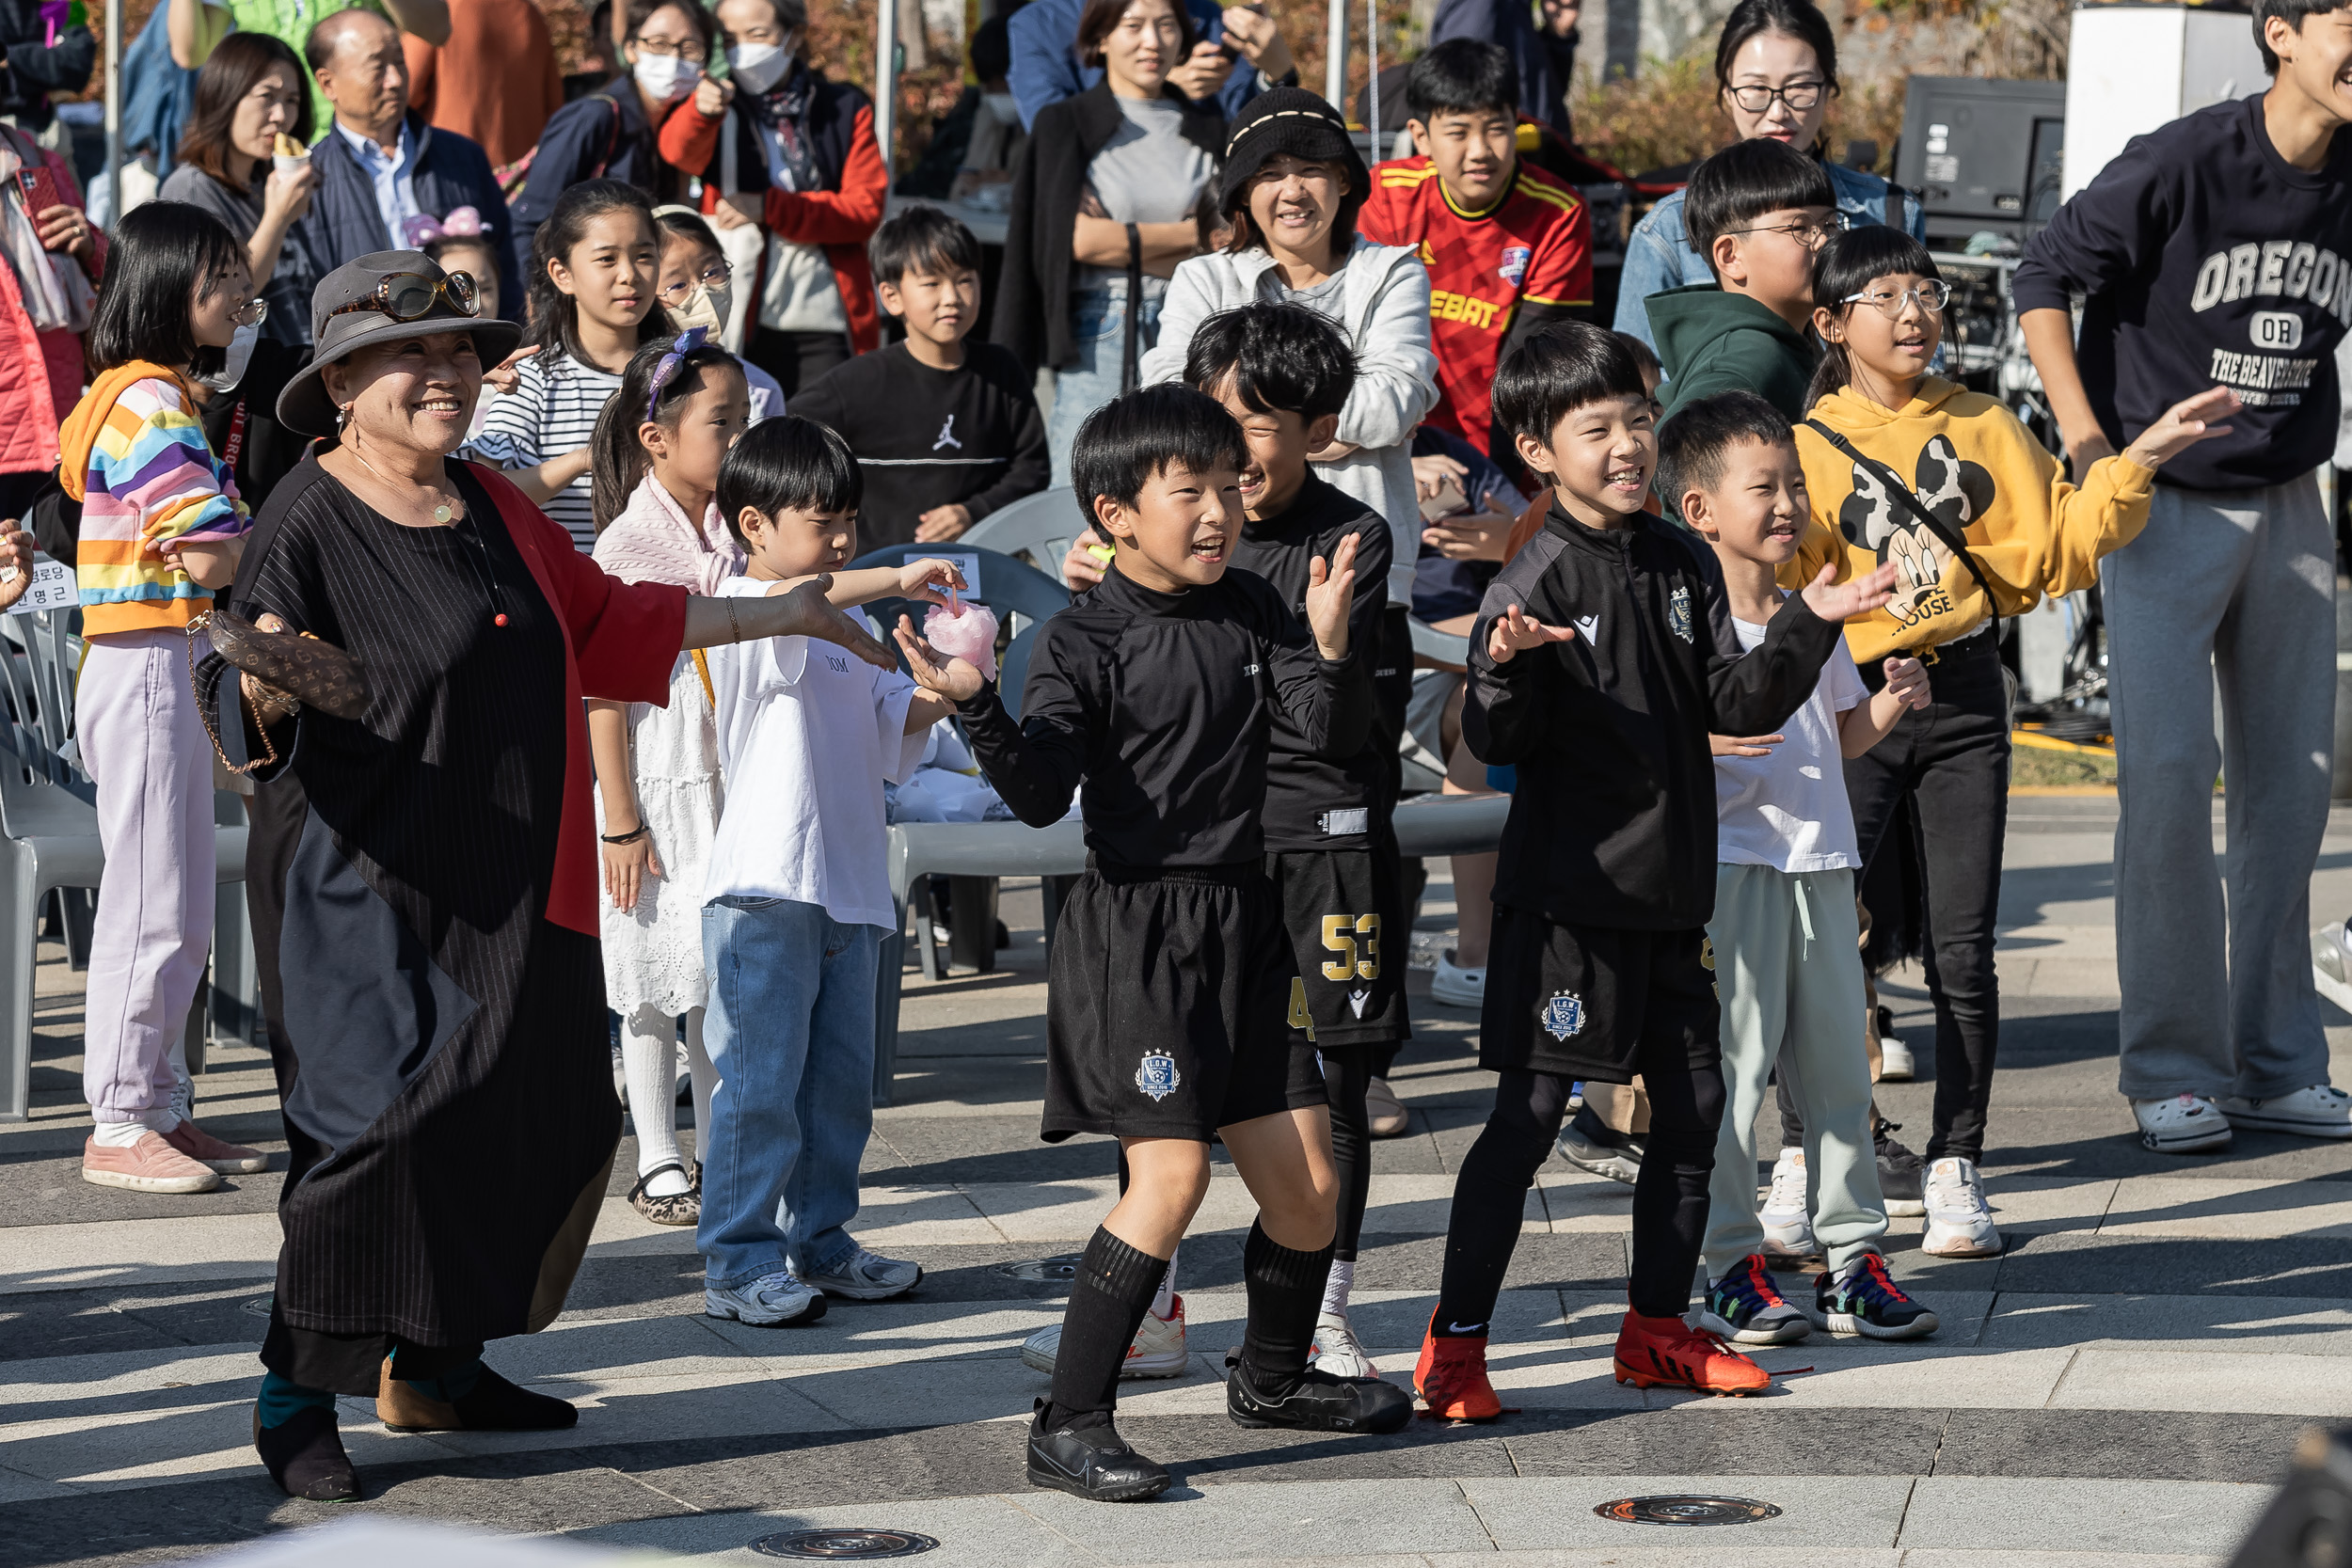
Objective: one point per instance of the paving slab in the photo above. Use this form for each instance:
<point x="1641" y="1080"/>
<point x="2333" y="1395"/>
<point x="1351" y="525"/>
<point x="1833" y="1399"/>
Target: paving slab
<point x="1984" y="1515"/>
<point x="1539" y="1513"/>
<point x="1305" y="1519"/>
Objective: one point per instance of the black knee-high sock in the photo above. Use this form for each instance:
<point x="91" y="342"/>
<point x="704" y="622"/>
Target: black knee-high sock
<point x="1345" y="1078"/>
<point x="1489" y="1197"/>
<point x="1107" y="1301"/>
<point x="1285" y="1291"/>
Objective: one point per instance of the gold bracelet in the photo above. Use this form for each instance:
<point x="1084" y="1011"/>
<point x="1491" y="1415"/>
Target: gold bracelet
<point x="734" y="626"/>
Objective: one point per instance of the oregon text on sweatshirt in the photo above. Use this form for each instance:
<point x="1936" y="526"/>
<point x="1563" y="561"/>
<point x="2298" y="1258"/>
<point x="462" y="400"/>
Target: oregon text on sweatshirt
<point x="2208" y="258"/>
<point x="1974" y="467"/>
<point x="1164" y="705"/>
<point x="1613" y="821"/>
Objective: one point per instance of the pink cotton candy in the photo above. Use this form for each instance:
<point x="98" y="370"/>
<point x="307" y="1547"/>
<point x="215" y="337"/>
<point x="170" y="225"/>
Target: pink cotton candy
<point x="967" y="632"/>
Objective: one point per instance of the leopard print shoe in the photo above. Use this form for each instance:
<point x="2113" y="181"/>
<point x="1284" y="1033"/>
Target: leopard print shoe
<point x="684" y="1208"/>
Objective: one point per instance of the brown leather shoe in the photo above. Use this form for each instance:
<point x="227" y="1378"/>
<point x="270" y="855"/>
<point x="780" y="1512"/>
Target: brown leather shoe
<point x="228" y="1158"/>
<point x="148" y="1165"/>
<point x="495" y="1404"/>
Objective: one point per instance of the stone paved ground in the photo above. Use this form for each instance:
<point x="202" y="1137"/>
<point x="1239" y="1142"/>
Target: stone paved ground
<point x="2119" y="1388"/>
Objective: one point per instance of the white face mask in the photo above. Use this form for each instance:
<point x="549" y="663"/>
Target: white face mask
<point x="1001" y="107"/>
<point x="758" y="66"/>
<point x="667" y="77"/>
<point x="235" y="358"/>
<point x="705" y="307"/>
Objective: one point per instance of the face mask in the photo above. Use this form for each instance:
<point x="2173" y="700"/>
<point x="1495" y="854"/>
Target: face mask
<point x="235" y="358"/>
<point x="667" y="77"/>
<point x="705" y="307"/>
<point x="1001" y="107"/>
<point x="758" y="66"/>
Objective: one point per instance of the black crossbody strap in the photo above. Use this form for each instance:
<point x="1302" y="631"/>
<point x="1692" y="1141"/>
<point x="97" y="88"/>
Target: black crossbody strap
<point x="1944" y="531"/>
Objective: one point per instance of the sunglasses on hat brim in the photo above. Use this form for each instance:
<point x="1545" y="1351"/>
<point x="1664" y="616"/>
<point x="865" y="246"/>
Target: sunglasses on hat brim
<point x="406" y="296"/>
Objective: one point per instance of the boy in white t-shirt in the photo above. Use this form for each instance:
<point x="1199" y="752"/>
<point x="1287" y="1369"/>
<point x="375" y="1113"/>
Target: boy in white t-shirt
<point x="796" y="894"/>
<point x="1785" y="936"/>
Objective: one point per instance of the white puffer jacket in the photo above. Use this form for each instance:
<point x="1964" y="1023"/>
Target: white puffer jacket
<point x="1386" y="296"/>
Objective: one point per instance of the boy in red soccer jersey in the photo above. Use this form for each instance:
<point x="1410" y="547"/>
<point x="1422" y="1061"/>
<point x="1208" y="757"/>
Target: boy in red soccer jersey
<point x="1508" y="247"/>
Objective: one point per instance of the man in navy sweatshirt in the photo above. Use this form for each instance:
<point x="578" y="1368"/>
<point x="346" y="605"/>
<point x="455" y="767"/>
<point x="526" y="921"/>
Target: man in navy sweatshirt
<point x="2218" y="250"/>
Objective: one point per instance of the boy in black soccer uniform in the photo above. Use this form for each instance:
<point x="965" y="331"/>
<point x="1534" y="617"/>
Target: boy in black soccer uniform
<point x="1603" y="654"/>
<point x="1169" y="991"/>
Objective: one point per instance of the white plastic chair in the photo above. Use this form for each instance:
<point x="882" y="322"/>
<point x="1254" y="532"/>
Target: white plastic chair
<point x="1037" y="529"/>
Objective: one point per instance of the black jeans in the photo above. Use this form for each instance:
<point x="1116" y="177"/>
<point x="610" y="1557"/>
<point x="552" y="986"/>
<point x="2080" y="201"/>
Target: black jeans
<point x="1951" y="759"/>
<point x="1669" y="1199"/>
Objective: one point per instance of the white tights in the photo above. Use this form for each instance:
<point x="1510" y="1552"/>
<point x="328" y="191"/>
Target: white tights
<point x="649" y="1054"/>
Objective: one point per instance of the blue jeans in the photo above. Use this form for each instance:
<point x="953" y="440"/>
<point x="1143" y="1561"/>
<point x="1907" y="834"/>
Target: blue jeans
<point x="790" y="1032"/>
<point x="1098" y="334"/>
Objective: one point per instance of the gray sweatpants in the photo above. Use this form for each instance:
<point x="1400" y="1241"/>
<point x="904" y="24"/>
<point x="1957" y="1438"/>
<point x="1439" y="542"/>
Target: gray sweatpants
<point x="2238" y="586"/>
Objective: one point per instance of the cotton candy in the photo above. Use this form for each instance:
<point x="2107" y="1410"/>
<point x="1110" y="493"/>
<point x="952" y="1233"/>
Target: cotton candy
<point x="968" y="632"/>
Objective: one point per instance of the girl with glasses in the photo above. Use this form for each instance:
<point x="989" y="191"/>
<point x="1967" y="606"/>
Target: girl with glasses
<point x="1775" y="73"/>
<point x="161" y="528"/>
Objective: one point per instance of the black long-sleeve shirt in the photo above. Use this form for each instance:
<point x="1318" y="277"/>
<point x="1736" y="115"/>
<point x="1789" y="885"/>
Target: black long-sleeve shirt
<point x="926" y="437"/>
<point x="2208" y="258"/>
<point x="1164" y="703"/>
<point x="1313" y="801"/>
<point x="1614" y="819"/>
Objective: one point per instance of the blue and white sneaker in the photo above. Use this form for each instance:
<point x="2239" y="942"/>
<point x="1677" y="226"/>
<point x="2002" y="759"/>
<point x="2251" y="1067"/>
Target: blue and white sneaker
<point x="868" y="1276"/>
<point x="1747" y="1308"/>
<point x="771" y="1301"/>
<point x="1862" y="1298"/>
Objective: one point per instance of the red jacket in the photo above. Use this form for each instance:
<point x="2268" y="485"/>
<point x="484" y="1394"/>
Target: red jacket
<point x="40" y="372"/>
<point x="840" y="221"/>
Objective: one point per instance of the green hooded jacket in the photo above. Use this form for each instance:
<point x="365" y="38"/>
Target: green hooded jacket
<point x="1710" y="340"/>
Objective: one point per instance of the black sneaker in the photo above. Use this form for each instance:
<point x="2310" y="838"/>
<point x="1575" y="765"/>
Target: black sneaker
<point x="1093" y="1462"/>
<point x="1861" y="1298"/>
<point x="1589" y="1146"/>
<point x="1320" y="1403"/>
<point x="1901" y="1172"/>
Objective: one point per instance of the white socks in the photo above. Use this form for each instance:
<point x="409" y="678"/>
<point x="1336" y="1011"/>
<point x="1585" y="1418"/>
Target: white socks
<point x="1336" y="1288"/>
<point x="649" y="1056"/>
<point x="1165" y="1302"/>
<point x="122" y="1134"/>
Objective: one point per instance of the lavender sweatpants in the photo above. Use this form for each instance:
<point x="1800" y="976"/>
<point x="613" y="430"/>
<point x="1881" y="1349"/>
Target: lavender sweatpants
<point x="146" y="749"/>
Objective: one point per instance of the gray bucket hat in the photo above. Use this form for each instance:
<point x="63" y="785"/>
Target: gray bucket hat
<point x="345" y="316"/>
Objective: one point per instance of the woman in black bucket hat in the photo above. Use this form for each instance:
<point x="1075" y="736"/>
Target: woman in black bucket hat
<point x="426" y="871"/>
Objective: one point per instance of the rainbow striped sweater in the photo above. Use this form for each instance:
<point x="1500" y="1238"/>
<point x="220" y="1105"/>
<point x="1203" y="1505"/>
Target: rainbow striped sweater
<point x="136" y="457"/>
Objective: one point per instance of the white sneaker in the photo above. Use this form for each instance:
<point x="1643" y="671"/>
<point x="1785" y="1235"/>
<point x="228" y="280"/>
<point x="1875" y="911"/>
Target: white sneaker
<point x="868" y="1276"/>
<point x="1458" y="987"/>
<point x="1158" y="1350"/>
<point x="1958" y="1224"/>
<point x="1338" y="1351"/>
<point x="1788" y="1228"/>
<point x="1895" y="1063"/>
<point x="2182" y="1124"/>
<point x="2322" y="1111"/>
<point x="770" y="1301"/>
<point x="2331" y="963"/>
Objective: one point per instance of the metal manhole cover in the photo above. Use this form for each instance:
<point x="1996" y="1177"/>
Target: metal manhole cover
<point x="1059" y="1270"/>
<point x="259" y="1306"/>
<point x="1687" y="1511"/>
<point x="831" y="1546"/>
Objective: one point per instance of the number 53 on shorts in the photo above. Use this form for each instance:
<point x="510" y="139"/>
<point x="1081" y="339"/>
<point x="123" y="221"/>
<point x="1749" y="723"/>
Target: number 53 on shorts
<point x="1356" y="938"/>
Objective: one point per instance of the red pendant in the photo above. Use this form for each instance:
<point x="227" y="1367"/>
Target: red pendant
<point x="499" y="619"/>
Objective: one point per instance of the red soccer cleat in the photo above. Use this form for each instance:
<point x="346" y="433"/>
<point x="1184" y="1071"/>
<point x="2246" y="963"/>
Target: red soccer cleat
<point x="1667" y="1353"/>
<point x="1451" y="1378"/>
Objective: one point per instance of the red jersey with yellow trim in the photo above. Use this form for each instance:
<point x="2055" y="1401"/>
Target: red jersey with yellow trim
<point x="1535" y="245"/>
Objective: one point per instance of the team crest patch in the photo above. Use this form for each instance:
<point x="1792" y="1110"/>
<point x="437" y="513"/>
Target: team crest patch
<point x="1514" y="266"/>
<point x="1157" y="1076"/>
<point x="1678" y="613"/>
<point x="1564" y="1015"/>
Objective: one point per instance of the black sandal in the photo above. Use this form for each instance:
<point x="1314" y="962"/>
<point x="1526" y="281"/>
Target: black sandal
<point x="684" y="1208"/>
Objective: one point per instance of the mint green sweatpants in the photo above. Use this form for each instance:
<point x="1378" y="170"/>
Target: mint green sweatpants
<point x="1789" y="970"/>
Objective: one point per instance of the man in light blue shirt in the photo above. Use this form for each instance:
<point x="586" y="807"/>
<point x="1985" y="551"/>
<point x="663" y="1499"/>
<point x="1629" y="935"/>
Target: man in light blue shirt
<point x="393" y="174"/>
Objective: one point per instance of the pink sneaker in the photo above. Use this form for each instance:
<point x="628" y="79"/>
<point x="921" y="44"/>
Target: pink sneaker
<point x="148" y="1165"/>
<point x="205" y="1149"/>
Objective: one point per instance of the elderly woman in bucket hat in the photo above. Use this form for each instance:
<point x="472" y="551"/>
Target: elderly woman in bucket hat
<point x="429" y="868"/>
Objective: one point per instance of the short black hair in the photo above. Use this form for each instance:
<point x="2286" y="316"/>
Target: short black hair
<point x="1796" y="19"/>
<point x="1692" y="446"/>
<point x="917" y="237"/>
<point x="1644" y="355"/>
<point x="1746" y="181"/>
<point x="1562" y="367"/>
<point x="788" y="465"/>
<point x="165" y="253"/>
<point x="1281" y="358"/>
<point x="991" y="50"/>
<point x="2293" y="13"/>
<point x="1152" y="429"/>
<point x="1845" y="268"/>
<point x="1460" y="76"/>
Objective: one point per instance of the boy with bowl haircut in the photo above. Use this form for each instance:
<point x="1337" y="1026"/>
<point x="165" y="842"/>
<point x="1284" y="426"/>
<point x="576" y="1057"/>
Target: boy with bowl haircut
<point x="1509" y="249"/>
<point x="945" y="430"/>
<point x="1603" y="655"/>
<point x="1785" y="932"/>
<point x="1758" y="210"/>
<point x="1170" y="991"/>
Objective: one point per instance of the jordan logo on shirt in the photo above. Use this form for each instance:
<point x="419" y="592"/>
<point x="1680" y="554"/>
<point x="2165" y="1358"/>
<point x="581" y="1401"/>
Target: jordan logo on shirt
<point x="948" y="436"/>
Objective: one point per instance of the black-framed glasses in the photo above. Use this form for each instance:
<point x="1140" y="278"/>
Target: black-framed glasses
<point x="1756" y="98"/>
<point x="1932" y="293"/>
<point x="406" y="296"/>
<point x="712" y="277"/>
<point x="1809" y="233"/>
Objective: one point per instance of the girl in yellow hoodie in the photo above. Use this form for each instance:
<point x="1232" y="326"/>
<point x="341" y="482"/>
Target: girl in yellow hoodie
<point x="1901" y="467"/>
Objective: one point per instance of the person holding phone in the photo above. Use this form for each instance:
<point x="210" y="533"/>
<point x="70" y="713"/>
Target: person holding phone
<point x="55" y="257"/>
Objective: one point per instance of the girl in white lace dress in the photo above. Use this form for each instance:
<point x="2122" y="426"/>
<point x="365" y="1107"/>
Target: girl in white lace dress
<point x="656" y="448"/>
